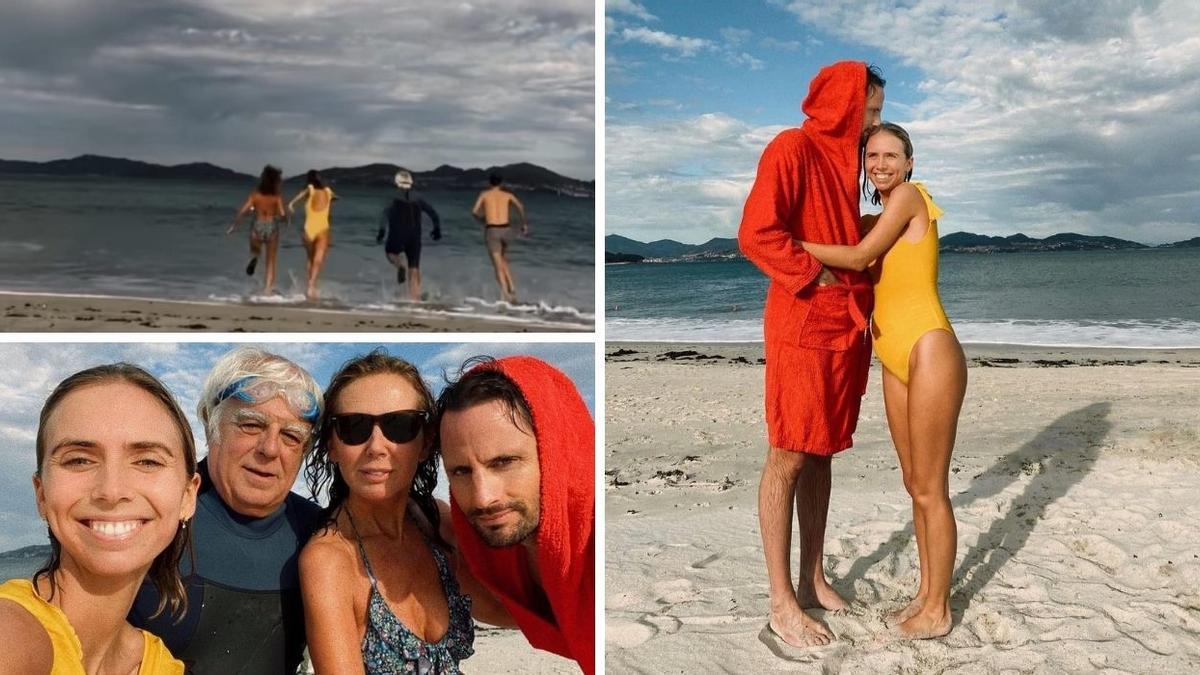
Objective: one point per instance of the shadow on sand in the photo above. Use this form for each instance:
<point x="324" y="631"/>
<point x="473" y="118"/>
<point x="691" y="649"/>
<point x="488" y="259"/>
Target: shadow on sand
<point x="1046" y="458"/>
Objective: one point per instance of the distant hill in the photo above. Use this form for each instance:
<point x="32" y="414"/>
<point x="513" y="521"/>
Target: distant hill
<point x="719" y="247"/>
<point x="520" y="177"/>
<point x="956" y="242"/>
<point x="966" y="242"/>
<point x="116" y="167"/>
<point x="35" y="552"/>
<point x="622" y="258"/>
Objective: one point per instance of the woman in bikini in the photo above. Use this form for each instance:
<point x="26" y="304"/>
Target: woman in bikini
<point x="116" y="483"/>
<point x="924" y="372"/>
<point x="267" y="205"/>
<point x="380" y="580"/>
<point x="316" y="225"/>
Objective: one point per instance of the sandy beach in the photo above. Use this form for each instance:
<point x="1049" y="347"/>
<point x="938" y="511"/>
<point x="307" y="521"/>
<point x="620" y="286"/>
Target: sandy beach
<point x="33" y="312"/>
<point x="1074" y="483"/>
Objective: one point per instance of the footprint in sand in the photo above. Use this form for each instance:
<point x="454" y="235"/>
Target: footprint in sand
<point x="675" y="591"/>
<point x="627" y="634"/>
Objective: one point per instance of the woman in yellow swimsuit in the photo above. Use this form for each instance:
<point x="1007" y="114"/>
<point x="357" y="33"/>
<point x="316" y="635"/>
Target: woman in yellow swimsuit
<point x="116" y="483"/>
<point x="316" y="225"/>
<point x="924" y="372"/>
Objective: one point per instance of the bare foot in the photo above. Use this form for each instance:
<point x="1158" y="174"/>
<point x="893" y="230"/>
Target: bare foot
<point x="311" y="293"/>
<point x="799" y="629"/>
<point x="820" y="595"/>
<point x="905" y="613"/>
<point x="922" y="626"/>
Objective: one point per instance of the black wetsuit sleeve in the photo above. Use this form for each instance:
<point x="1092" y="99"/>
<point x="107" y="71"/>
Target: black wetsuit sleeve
<point x="428" y="208"/>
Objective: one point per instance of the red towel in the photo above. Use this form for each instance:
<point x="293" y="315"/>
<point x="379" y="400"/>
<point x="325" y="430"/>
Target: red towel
<point x="806" y="188"/>
<point x="566" y="544"/>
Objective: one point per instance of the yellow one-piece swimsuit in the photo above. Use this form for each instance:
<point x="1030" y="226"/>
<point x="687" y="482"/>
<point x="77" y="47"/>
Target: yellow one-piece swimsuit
<point x="316" y="222"/>
<point x="907" y="305"/>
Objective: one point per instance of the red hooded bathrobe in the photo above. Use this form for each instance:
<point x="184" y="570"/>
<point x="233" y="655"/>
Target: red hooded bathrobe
<point x="817" y="345"/>
<point x="566" y="544"/>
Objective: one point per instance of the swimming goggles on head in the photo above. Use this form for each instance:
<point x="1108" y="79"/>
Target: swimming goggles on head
<point x="253" y="389"/>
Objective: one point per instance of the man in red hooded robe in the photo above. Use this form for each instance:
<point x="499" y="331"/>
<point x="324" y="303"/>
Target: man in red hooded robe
<point x="814" y="327"/>
<point x="519" y="448"/>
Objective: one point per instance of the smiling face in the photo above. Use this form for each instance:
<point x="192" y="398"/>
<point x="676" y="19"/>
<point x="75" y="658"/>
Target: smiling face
<point x="379" y="468"/>
<point x="113" y="484"/>
<point x="886" y="162"/>
<point x="494" y="474"/>
<point x="257" y="454"/>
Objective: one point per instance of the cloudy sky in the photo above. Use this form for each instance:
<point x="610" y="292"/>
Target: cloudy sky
<point x="1037" y="116"/>
<point x="31" y="371"/>
<point x="301" y="83"/>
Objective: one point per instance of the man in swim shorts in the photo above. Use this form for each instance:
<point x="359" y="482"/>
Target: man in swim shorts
<point x="492" y="209"/>
<point x="244" y="611"/>
<point x="816" y="341"/>
<point x="401" y="224"/>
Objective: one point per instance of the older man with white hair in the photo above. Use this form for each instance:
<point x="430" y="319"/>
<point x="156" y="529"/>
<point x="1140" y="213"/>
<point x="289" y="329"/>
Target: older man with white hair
<point x="244" y="613"/>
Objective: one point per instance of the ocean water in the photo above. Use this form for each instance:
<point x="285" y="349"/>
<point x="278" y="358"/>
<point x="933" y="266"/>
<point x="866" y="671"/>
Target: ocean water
<point x="166" y="239"/>
<point x="1141" y="298"/>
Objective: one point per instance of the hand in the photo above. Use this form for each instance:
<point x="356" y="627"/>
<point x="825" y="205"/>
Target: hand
<point x="436" y="234"/>
<point x="379" y="236"/>
<point x="232" y="227"/>
<point x="291" y="209"/>
<point x="524" y="229"/>
<point x="826" y="278"/>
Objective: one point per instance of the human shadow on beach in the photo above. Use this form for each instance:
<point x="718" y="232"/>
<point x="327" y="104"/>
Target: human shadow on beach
<point x="1047" y="459"/>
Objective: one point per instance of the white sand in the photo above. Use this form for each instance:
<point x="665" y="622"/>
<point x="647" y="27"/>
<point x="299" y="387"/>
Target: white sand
<point x="1076" y="492"/>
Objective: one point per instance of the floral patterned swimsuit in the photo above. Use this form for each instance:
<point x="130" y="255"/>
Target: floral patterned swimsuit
<point x="389" y="647"/>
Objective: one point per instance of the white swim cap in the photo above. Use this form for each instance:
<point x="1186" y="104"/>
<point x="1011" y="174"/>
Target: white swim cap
<point x="404" y="179"/>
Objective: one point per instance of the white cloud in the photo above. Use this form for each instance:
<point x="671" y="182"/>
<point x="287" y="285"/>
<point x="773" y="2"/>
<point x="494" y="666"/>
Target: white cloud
<point x="629" y="7"/>
<point x="1037" y="117"/>
<point x="682" y="45"/>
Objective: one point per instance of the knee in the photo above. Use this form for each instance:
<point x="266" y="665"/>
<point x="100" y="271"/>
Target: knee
<point x="929" y="494"/>
<point x="785" y="462"/>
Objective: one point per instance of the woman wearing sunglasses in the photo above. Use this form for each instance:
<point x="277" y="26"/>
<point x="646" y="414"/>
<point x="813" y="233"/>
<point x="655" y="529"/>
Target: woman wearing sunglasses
<point x="380" y="583"/>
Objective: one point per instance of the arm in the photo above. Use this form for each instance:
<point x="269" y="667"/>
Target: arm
<point x="29" y="649"/>
<point x="478" y="210"/>
<point x="383" y="226"/>
<point x="521" y="210"/>
<point x="303" y="193"/>
<point x="904" y="205"/>
<point x="764" y="236"/>
<point x="246" y="207"/>
<point x="329" y="619"/>
<point x="437" y="222"/>
<point x="485" y="607"/>
<point x="282" y="211"/>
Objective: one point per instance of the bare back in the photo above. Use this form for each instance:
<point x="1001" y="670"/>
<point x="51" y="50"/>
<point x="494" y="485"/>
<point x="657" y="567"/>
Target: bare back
<point x="267" y="207"/>
<point x="493" y="205"/>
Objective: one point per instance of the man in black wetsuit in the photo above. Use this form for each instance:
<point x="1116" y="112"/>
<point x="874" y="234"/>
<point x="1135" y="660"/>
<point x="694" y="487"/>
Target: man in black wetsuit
<point x="244" y="613"/>
<point x="401" y="222"/>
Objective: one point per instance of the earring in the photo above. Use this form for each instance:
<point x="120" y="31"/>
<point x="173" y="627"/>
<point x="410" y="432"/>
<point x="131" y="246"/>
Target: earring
<point x="183" y="524"/>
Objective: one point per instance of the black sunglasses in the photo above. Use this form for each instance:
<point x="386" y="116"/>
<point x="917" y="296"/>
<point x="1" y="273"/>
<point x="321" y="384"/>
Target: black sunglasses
<point x="398" y="426"/>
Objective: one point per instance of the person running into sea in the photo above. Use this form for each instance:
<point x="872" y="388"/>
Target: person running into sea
<point x="316" y="225"/>
<point x="267" y="205"/>
<point x="400" y="223"/>
<point x="492" y="209"/>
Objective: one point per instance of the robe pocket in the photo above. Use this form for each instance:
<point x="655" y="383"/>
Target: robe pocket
<point x="828" y="323"/>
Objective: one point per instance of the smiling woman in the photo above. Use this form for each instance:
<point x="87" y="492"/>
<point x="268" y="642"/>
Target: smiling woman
<point x="116" y="483"/>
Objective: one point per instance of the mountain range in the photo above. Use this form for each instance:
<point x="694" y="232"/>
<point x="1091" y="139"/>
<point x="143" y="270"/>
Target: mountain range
<point x="623" y="249"/>
<point x="522" y="176"/>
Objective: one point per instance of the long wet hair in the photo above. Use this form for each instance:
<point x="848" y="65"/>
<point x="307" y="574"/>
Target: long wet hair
<point x="270" y="181"/>
<point x="894" y="129"/>
<point x="164" y="571"/>
<point x="322" y="473"/>
<point x="314" y="179"/>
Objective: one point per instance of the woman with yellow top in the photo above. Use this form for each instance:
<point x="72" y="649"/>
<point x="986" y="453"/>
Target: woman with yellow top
<point x="116" y="482"/>
<point x="316" y="225"/>
<point x="924" y="372"/>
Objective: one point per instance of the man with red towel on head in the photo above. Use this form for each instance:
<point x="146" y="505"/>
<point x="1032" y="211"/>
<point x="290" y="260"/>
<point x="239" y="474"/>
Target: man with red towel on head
<point x="815" y="332"/>
<point x="519" y="448"/>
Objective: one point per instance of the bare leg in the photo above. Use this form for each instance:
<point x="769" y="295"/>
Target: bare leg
<point x="509" y="284"/>
<point x="812" y="509"/>
<point x="414" y="284"/>
<point x="895" y="401"/>
<point x="501" y="277"/>
<point x="776" y="491"/>
<point x="272" y="251"/>
<point x="319" y="248"/>
<point x="937" y="384"/>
